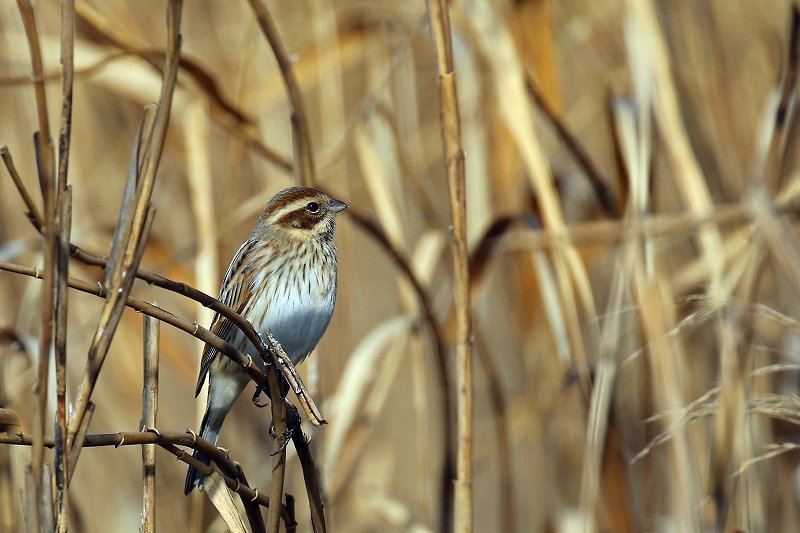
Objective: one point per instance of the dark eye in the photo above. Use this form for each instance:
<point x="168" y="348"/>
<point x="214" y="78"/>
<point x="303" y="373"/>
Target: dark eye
<point x="312" y="207"/>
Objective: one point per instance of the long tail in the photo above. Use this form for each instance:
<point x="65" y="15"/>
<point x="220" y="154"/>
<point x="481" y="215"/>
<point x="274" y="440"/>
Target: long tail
<point x="223" y="389"/>
<point x="210" y="432"/>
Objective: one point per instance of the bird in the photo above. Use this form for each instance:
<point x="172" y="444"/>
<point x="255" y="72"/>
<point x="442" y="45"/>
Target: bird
<point x="283" y="281"/>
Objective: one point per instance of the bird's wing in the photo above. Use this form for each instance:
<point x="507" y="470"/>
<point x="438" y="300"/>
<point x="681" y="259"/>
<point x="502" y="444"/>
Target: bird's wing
<point x="235" y="293"/>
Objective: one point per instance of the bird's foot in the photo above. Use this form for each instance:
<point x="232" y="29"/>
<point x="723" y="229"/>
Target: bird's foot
<point x="257" y="394"/>
<point x="292" y="425"/>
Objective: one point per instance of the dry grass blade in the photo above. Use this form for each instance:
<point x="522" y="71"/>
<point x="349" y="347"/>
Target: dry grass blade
<point x="665" y="356"/>
<point x="702" y="407"/>
<point x="201" y="189"/>
<point x="646" y="44"/>
<point x="218" y="493"/>
<point x="774" y="450"/>
<point x="602" y="395"/>
<point x="509" y="95"/>
<point x="51" y="279"/>
<point x="67" y="77"/>
<point x="116" y="294"/>
<point x="379" y="187"/>
<point x="32" y="33"/>
<point x="779" y="238"/>
<point x="345" y="441"/>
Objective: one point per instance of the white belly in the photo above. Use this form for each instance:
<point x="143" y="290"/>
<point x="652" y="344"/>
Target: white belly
<point x="298" y="316"/>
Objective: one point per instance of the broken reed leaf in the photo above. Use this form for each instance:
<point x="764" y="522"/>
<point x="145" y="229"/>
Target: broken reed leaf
<point x="217" y="491"/>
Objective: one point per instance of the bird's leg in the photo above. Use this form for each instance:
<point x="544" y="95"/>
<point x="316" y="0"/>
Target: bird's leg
<point x="292" y="425"/>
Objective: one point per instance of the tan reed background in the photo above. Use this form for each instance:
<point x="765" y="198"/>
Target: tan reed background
<point x="635" y="332"/>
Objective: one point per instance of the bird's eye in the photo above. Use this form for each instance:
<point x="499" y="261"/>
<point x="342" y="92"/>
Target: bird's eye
<point x="312" y="207"/>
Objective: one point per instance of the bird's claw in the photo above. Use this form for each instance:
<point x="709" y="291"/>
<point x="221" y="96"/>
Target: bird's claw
<point x="284" y="440"/>
<point x="257" y="395"/>
<point x="293" y="425"/>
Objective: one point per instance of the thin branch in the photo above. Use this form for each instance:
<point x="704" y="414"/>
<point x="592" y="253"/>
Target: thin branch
<point x="601" y="190"/>
<point x="304" y="166"/>
<point x="149" y="413"/>
<point x="291" y="526"/>
<point x="168" y="440"/>
<point x="192" y="328"/>
<point x="311" y="479"/>
<point x="279" y="424"/>
<point x="33" y="212"/>
<point x="253" y="509"/>
<point x="32" y="33"/>
<point x="43" y="144"/>
<point x="67" y="77"/>
<point x="63" y="228"/>
<point x="454" y="164"/>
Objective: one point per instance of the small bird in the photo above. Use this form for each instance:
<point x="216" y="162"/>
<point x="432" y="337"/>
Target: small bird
<point x="283" y="281"/>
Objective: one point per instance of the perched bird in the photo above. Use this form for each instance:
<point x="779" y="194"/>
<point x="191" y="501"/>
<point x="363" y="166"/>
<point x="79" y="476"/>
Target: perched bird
<point x="283" y="281"/>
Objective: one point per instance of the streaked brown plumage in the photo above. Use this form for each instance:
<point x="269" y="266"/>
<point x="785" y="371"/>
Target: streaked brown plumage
<point x="282" y="280"/>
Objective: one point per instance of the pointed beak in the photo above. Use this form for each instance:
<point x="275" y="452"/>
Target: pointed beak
<point x="337" y="205"/>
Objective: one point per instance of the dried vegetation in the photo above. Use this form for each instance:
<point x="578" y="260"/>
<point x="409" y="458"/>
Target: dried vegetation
<point x="634" y="264"/>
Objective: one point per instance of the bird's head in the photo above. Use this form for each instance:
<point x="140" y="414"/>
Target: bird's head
<point x="303" y="213"/>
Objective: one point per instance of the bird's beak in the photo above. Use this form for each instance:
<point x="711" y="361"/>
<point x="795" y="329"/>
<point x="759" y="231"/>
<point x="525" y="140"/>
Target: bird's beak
<point x="337" y="205"/>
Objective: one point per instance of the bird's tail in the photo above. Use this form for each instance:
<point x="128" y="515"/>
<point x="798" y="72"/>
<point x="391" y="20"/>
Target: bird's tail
<point x="209" y="430"/>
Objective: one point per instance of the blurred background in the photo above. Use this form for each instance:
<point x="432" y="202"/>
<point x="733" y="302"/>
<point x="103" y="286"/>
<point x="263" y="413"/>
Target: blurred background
<point x="635" y="273"/>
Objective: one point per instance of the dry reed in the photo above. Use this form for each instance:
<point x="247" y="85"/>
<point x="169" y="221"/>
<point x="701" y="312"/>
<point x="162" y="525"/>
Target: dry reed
<point x="623" y="239"/>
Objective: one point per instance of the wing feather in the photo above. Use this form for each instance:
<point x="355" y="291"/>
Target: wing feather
<point x="235" y="293"/>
